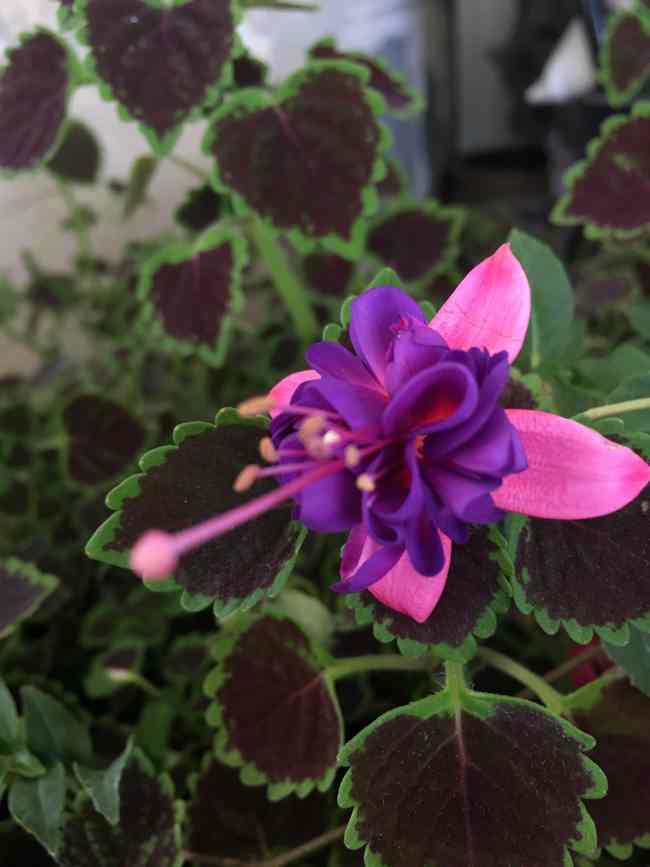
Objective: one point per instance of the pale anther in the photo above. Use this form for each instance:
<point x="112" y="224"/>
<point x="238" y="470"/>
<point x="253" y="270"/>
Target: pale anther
<point x="256" y="405"/>
<point x="365" y="483"/>
<point x="268" y="451"/>
<point x="246" y="478"/>
<point x="352" y="456"/>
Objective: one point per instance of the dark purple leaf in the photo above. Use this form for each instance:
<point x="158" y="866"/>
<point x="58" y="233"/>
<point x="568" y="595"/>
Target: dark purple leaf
<point x="618" y="719"/>
<point x="328" y="273"/>
<point x="103" y="439"/>
<point x="34" y="89"/>
<point x="187" y="657"/>
<point x="160" y="63"/>
<point x="228" y="819"/>
<point x="626" y="56"/>
<point x="147" y="833"/>
<point x="269" y="681"/>
<point x="195" y="482"/>
<point x="393" y="183"/>
<point x="609" y="192"/>
<point x="492" y="783"/>
<point x="190" y="291"/>
<point x="78" y="156"/>
<point x="248" y="71"/>
<point x="416" y="240"/>
<point x="305" y="161"/>
<point x="200" y="209"/>
<point x="587" y="574"/>
<point x="467" y="606"/>
<point x="20" y="849"/>
<point x="22" y="589"/>
<point x="393" y="87"/>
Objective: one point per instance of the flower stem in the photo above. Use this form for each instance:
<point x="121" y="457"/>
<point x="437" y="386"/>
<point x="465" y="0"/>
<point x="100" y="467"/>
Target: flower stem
<point x="285" y="281"/>
<point x="283" y="860"/>
<point x="551" y="697"/>
<point x="387" y="662"/>
<point x="618" y="408"/>
<point x="567" y="667"/>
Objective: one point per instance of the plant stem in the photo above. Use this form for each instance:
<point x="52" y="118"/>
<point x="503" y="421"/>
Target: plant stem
<point x="618" y="408"/>
<point x="296" y="854"/>
<point x="287" y="285"/>
<point x="455" y="683"/>
<point x="386" y="662"/>
<point x="551" y="697"/>
<point x="74" y="212"/>
<point x="189" y="166"/>
<point x="566" y="667"/>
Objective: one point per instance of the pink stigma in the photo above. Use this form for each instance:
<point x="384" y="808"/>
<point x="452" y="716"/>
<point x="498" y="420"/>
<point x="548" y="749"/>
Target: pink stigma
<point x="154" y="555"/>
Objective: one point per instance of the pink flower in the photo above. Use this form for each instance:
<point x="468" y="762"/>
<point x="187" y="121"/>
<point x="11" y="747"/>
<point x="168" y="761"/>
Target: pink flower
<point x="572" y="473"/>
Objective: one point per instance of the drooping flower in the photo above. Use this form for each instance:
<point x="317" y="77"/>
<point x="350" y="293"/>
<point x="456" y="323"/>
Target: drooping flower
<point x="403" y="442"/>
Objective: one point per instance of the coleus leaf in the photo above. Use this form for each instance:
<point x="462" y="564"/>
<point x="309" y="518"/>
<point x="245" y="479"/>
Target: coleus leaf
<point x="35" y="86"/>
<point x="625" y="56"/>
<point x="78" y="157"/>
<point x="417" y="239"/>
<point x="103" y="438"/>
<point x="474" y="593"/>
<point x="200" y="209"/>
<point x="229" y="819"/>
<point x="270" y="678"/>
<point x="617" y="715"/>
<point x="37" y="805"/>
<point x="273" y="152"/>
<point x="328" y="273"/>
<point x="249" y="71"/>
<point x="476" y="779"/>
<point x="188" y="482"/>
<point x="399" y="96"/>
<point x="147" y="834"/>
<point x="634" y="658"/>
<point x="190" y="292"/>
<point x="23" y="588"/>
<point x="590" y="576"/>
<point x="161" y="63"/>
<point x="394" y="182"/>
<point x="607" y="192"/>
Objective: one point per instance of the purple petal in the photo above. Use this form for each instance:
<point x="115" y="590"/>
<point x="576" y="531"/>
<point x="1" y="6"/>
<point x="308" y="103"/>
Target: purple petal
<point x="372" y="316"/>
<point x="332" y="504"/>
<point x="333" y="360"/>
<point x="457" y="491"/>
<point x="372" y="570"/>
<point x="424" y="546"/>
<point x="435" y="400"/>
<point x="495" y="450"/>
<point x="359" y="407"/>
<point x="414" y="348"/>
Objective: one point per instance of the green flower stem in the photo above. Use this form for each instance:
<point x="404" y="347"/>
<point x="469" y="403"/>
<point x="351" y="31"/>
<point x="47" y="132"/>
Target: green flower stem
<point x="455" y="683"/>
<point x="618" y="408"/>
<point x="387" y="662"/>
<point x="551" y="697"/>
<point x="285" y="281"/>
<point x="283" y="860"/>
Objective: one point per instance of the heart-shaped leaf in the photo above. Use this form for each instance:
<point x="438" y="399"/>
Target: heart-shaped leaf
<point x="609" y="192"/>
<point x="103" y="439"/>
<point x="161" y="63"/>
<point x="147" y="834"/>
<point x="190" y="292"/>
<point x="78" y="157"/>
<point x="103" y="785"/>
<point x="52" y="732"/>
<point x="34" y="89"/>
<point x="305" y="160"/>
<point x="189" y="482"/>
<point x="617" y="716"/>
<point x="479" y="781"/>
<point x="228" y="819"/>
<point x="625" y="57"/>
<point x="249" y="71"/>
<point x="37" y="805"/>
<point x="634" y="658"/>
<point x="270" y="678"/>
<point x="591" y="576"/>
<point x="200" y="209"/>
<point x="474" y="593"/>
<point x="399" y="96"/>
<point x="417" y="239"/>
<point x="22" y="590"/>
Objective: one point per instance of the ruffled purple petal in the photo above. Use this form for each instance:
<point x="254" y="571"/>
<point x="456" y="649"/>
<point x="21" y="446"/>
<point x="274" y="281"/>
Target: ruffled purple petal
<point x="333" y="360"/>
<point x="495" y="450"/>
<point x="359" y="407"/>
<point x="415" y="347"/>
<point x="332" y="504"/>
<point x="372" y="570"/>
<point x="373" y="317"/>
<point x="457" y="491"/>
<point x="424" y="546"/>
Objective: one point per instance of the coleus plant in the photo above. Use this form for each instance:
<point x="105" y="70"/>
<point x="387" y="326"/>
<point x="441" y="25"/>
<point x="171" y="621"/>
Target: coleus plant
<point x="213" y="720"/>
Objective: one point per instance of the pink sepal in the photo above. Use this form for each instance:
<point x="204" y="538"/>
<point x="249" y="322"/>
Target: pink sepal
<point x="282" y="392"/>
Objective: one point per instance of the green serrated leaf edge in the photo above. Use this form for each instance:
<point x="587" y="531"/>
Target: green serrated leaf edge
<point x="161" y="146"/>
<point x="594" y="231"/>
<point x="252" y="100"/>
<point x="249" y="774"/>
<point x="75" y="78"/>
<point x="177" y="253"/>
<point x="96" y="547"/>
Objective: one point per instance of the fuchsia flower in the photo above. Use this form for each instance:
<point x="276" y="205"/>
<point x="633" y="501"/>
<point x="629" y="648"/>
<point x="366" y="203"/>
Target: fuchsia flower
<point x="404" y="442"/>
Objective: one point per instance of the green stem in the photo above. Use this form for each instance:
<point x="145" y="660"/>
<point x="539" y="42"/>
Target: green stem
<point x="551" y="697"/>
<point x="78" y="222"/>
<point x="287" y="285"/>
<point x="387" y="662"/>
<point x="455" y="683"/>
<point x="283" y="860"/>
<point x="189" y="166"/>
<point x="618" y="408"/>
